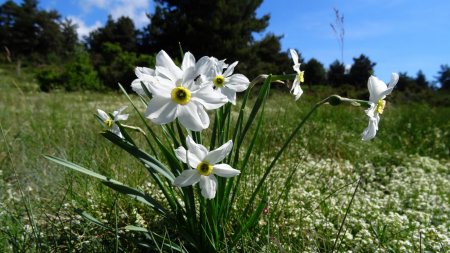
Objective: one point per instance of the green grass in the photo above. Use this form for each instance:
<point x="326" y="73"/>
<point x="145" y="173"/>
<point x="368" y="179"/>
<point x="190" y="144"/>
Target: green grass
<point x="402" y="204"/>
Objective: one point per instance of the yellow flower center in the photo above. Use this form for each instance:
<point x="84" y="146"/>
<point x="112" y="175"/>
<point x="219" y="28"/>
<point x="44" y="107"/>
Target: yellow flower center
<point x="204" y="168"/>
<point x="301" y="76"/>
<point x="380" y="106"/>
<point x="181" y="95"/>
<point x="219" y="81"/>
<point x="108" y="123"/>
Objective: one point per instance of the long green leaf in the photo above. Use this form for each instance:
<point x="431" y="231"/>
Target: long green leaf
<point x="142" y="156"/>
<point x="78" y="168"/>
<point x="91" y="218"/>
<point x="138" y="195"/>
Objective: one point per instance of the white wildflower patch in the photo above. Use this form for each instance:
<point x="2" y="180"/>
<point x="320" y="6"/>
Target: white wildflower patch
<point x="393" y="205"/>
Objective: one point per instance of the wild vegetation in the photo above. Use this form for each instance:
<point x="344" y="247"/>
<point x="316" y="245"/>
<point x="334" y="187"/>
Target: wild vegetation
<point x="401" y="204"/>
<point x="329" y="191"/>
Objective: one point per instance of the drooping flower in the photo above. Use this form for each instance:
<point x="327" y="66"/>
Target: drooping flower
<point x="378" y="91"/>
<point x="204" y="165"/>
<point x="110" y="123"/>
<point x="225" y="81"/>
<point x="296" y="90"/>
<point x="176" y="94"/>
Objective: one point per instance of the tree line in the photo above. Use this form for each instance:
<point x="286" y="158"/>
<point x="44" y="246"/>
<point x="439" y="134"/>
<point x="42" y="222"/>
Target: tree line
<point x="108" y="55"/>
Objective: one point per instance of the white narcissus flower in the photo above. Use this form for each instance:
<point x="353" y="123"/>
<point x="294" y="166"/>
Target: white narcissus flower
<point x="224" y="81"/>
<point x="204" y="166"/>
<point x="176" y="95"/>
<point x="110" y="123"/>
<point x="296" y="90"/>
<point x="378" y="91"/>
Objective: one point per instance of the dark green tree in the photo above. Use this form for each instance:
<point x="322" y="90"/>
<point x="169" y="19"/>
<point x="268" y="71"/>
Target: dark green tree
<point x="444" y="77"/>
<point x="76" y="74"/>
<point x="405" y="82"/>
<point x="222" y="28"/>
<point x="69" y="36"/>
<point x="336" y="74"/>
<point x="264" y="58"/>
<point x="314" y="72"/>
<point x="421" y="80"/>
<point x="121" y="32"/>
<point x="30" y="33"/>
<point x="360" y="71"/>
<point x="117" y="65"/>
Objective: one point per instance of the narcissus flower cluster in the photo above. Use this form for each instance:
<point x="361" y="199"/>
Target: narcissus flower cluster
<point x="186" y="92"/>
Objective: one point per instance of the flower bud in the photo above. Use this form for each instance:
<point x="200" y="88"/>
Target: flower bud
<point x="335" y="100"/>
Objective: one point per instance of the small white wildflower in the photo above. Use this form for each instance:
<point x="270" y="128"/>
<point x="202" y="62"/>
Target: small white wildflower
<point x="110" y="123"/>
<point x="204" y="166"/>
<point x="296" y="90"/>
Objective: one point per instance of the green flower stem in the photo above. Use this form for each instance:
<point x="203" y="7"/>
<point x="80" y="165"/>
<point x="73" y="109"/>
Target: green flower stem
<point x="280" y="152"/>
<point x="283" y="77"/>
<point x="338" y="100"/>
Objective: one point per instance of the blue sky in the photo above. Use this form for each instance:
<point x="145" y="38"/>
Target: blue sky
<point x="399" y="35"/>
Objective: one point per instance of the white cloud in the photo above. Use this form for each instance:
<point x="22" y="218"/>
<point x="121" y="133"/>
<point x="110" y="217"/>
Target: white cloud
<point x="136" y="9"/>
<point x="83" y="29"/>
<point x="87" y="5"/>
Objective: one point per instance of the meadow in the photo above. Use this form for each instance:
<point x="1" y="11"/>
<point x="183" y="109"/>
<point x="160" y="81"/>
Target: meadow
<point x="393" y="191"/>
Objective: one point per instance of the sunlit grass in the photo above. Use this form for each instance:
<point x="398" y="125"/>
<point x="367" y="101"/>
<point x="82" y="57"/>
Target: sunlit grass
<point x="401" y="205"/>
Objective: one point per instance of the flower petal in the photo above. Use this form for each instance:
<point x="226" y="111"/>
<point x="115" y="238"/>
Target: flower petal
<point x="208" y="185"/>
<point x="187" y="177"/>
<point x="121" y="117"/>
<point x="188" y="61"/>
<point x="164" y="60"/>
<point x="391" y="86"/>
<point x="143" y="72"/>
<point x="230" y="69"/>
<point x="102" y="114"/>
<point x="166" y="73"/>
<point x="181" y="154"/>
<point x="237" y="82"/>
<point x="225" y="170"/>
<point x="188" y="79"/>
<point x="161" y="110"/>
<point x="211" y="99"/>
<point x="393" y="81"/>
<point x="296" y="89"/>
<point x="371" y="130"/>
<point x="204" y="66"/>
<point x="294" y="55"/>
<point x="161" y="88"/>
<point x="187" y="157"/>
<point x="230" y="94"/>
<point x="137" y="84"/>
<point x="193" y="116"/>
<point x="376" y="88"/>
<point x="197" y="149"/>
<point x="116" y="130"/>
<point x="118" y="112"/>
<point x="220" y="153"/>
